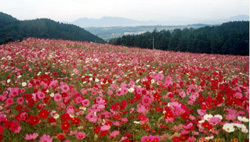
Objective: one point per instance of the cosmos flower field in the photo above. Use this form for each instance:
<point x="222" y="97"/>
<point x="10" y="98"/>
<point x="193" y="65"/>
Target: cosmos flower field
<point x="55" y="90"/>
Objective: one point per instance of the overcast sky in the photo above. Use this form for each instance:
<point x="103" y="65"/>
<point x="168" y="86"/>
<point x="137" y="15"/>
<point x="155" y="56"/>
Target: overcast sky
<point x="158" y="10"/>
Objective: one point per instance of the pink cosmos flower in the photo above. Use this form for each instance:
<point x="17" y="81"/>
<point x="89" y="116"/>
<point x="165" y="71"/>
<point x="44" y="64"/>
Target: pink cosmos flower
<point x="85" y="102"/>
<point x="78" y="100"/>
<point x="147" y="138"/>
<point x="40" y="95"/>
<point x="118" y="92"/>
<point x="183" y="94"/>
<point x="20" y="100"/>
<point x="31" y="136"/>
<point x="146" y="101"/>
<point x="91" y="117"/>
<point x="53" y="84"/>
<point x="114" y="134"/>
<point x="9" y="101"/>
<point x="214" y="120"/>
<point x="124" y="120"/>
<point x="80" y="135"/>
<point x="238" y="95"/>
<point x="141" y="109"/>
<point x="57" y="97"/>
<point x="45" y="138"/>
<point x="2" y="97"/>
<point x="105" y="128"/>
<point x="110" y="92"/>
<point x="191" y="139"/>
<point x="150" y="138"/>
<point x="71" y="133"/>
<point x="2" y="118"/>
<point x="75" y="71"/>
<point x="64" y="88"/>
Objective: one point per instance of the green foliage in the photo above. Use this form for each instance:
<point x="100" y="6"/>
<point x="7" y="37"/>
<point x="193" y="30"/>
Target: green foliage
<point x="12" y="29"/>
<point x="228" y="38"/>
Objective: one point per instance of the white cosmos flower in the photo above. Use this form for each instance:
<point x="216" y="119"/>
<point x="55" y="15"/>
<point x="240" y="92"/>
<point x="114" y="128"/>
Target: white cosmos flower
<point x="201" y="121"/>
<point x="217" y="115"/>
<point x="82" y="108"/>
<point x="228" y="127"/>
<point x="56" y="116"/>
<point x="19" y="76"/>
<point x="24" y="84"/>
<point x="137" y="122"/>
<point x="96" y="80"/>
<point x="8" y="81"/>
<point x="52" y="95"/>
<point x="209" y="138"/>
<point x="131" y="90"/>
<point x="244" y="130"/>
<point x="207" y="116"/>
<point x="243" y="119"/>
<point x="152" y="81"/>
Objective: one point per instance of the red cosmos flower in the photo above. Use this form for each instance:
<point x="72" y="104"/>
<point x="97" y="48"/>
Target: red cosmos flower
<point x="183" y="137"/>
<point x="104" y="133"/>
<point x="203" y="106"/>
<point x="75" y="121"/>
<point x="117" y="116"/>
<point x="43" y="114"/>
<point x="157" y="96"/>
<point x="115" y="106"/>
<point x="52" y="120"/>
<point x="128" y="134"/>
<point x="60" y="137"/>
<point x="207" y="125"/>
<point x="33" y="120"/>
<point x="65" y="126"/>
<point x="126" y="140"/>
<point x="123" y="104"/>
<point x="19" y="107"/>
<point x="142" y="117"/>
<point x="168" y="114"/>
<point x="185" y="116"/>
<point x="175" y="139"/>
<point x="97" y="130"/>
<point x="65" y="117"/>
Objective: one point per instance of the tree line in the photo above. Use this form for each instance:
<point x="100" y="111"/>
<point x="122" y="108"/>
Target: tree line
<point x="228" y="38"/>
<point x="12" y="29"/>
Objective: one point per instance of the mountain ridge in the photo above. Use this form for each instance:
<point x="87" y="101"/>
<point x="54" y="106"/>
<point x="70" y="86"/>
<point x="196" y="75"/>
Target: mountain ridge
<point x="109" y="21"/>
<point x="12" y="29"/>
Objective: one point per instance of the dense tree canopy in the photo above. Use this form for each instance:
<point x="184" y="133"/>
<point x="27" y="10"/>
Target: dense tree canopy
<point x="228" y="38"/>
<point x="12" y="29"/>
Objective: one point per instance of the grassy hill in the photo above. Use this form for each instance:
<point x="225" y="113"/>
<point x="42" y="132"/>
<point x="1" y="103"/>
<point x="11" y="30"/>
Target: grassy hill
<point x="11" y="29"/>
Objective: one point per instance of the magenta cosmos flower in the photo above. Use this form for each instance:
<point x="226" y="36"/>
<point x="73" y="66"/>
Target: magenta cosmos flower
<point x="146" y="101"/>
<point x="45" y="138"/>
<point x="57" y="97"/>
<point x="31" y="136"/>
<point x="80" y="135"/>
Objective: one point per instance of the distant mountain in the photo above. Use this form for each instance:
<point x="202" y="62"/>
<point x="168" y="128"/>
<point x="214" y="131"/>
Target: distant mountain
<point x="12" y="29"/>
<point x="110" y="22"/>
<point x="238" y="18"/>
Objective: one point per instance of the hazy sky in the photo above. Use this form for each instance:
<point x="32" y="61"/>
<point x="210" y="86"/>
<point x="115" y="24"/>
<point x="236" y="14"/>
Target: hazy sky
<point x="158" y="10"/>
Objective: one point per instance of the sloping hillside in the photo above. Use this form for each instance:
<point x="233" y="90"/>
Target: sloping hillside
<point x="12" y="29"/>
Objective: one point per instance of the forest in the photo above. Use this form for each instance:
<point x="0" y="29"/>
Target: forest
<point x="12" y="29"/>
<point x="227" y="38"/>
